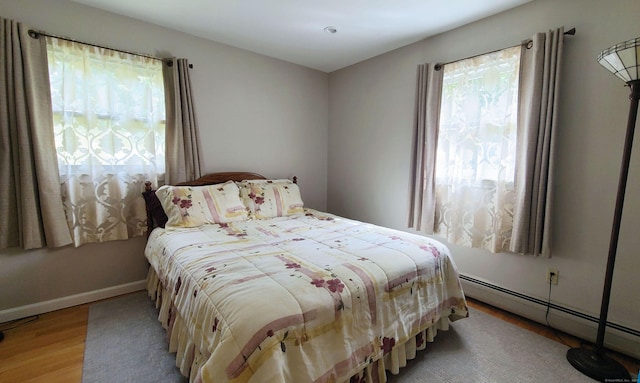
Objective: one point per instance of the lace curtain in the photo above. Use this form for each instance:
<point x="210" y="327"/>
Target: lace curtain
<point x="109" y="125"/>
<point x="475" y="164"/>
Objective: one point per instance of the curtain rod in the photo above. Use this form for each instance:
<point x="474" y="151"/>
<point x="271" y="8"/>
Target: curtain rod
<point x="36" y="34"/>
<point x="438" y="66"/>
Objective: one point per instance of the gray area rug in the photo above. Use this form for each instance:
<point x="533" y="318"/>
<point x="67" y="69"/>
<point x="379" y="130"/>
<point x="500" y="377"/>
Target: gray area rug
<point x="126" y="343"/>
<point x="486" y="349"/>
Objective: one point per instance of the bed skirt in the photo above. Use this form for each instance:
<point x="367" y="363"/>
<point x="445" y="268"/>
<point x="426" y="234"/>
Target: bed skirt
<point x="189" y="359"/>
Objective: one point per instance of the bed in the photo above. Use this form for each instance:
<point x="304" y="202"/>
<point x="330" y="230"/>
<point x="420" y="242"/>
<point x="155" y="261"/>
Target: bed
<point x="251" y="286"/>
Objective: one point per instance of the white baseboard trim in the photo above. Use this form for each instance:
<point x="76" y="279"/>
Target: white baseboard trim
<point x="570" y="324"/>
<point x="69" y="301"/>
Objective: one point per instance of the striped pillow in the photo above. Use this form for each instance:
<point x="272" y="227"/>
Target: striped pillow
<point x="271" y="198"/>
<point x="193" y="206"/>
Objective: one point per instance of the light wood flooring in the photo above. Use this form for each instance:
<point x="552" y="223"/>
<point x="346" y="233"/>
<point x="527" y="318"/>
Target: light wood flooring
<point x="50" y="348"/>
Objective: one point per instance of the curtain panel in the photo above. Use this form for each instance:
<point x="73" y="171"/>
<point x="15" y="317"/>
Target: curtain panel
<point x="31" y="211"/>
<point x="425" y="138"/>
<point x="109" y="128"/>
<point x="529" y="215"/>
<point x="183" y="156"/>
<point x="476" y="150"/>
<point x="540" y="67"/>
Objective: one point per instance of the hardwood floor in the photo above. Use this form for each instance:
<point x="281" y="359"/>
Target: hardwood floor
<point x="50" y="347"/>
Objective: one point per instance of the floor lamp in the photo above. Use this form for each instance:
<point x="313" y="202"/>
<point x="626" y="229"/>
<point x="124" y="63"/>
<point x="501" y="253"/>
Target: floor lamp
<point x="624" y="61"/>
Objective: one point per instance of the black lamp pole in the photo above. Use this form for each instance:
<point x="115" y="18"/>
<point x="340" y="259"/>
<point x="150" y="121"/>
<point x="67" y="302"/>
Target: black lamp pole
<point x="594" y="363"/>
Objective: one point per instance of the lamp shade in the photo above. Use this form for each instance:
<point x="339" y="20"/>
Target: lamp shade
<point x="623" y="60"/>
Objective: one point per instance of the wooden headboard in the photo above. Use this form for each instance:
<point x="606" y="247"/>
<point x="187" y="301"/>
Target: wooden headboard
<point x="152" y="201"/>
<point x="218" y="178"/>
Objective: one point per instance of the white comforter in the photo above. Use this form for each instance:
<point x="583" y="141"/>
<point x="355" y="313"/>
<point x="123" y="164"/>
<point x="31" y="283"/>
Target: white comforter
<point x="310" y="298"/>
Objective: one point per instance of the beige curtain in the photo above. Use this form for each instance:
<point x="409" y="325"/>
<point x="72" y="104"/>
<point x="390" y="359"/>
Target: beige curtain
<point x="425" y="140"/>
<point x="540" y="67"/>
<point x="183" y="158"/>
<point x="31" y="211"/>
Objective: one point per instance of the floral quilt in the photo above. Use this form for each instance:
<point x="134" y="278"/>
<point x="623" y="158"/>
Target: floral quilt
<point x="306" y="298"/>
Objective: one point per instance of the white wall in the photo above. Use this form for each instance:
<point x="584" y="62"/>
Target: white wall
<point x="255" y="113"/>
<point x="371" y="109"/>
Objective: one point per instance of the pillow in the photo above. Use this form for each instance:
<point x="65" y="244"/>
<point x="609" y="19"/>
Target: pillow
<point x="192" y="206"/>
<point x="155" y="208"/>
<point x="271" y="198"/>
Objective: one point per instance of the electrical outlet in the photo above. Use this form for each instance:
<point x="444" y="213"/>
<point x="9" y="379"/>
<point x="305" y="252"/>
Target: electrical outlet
<point x="552" y="276"/>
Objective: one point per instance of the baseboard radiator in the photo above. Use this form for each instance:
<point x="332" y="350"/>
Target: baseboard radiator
<point x="618" y="337"/>
<point x="553" y="306"/>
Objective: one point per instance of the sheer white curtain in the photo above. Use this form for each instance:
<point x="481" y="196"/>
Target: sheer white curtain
<point x="476" y="148"/>
<point x="109" y="125"/>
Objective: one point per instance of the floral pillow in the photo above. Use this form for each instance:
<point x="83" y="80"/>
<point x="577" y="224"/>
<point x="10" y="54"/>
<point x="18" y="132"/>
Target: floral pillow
<point x="192" y="206"/>
<point x="271" y="198"/>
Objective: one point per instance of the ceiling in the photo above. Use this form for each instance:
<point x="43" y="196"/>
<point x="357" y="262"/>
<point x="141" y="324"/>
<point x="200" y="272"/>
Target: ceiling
<point x="293" y="30"/>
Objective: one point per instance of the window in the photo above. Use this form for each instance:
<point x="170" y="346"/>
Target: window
<point x="484" y="139"/>
<point x="109" y="125"/>
<point x="475" y="163"/>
